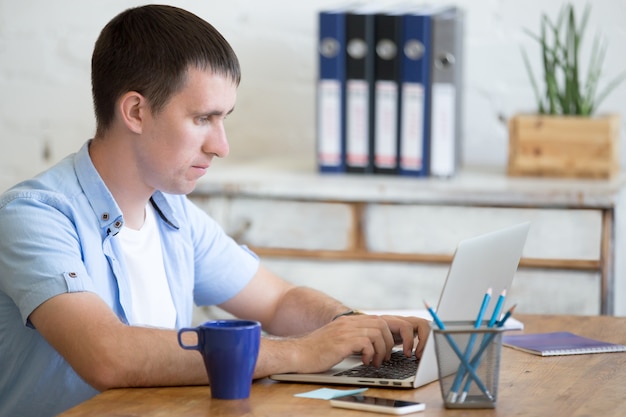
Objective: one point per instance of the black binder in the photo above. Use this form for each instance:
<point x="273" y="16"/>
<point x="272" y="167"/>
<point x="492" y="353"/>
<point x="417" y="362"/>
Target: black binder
<point x="387" y="61"/>
<point x="359" y="90"/>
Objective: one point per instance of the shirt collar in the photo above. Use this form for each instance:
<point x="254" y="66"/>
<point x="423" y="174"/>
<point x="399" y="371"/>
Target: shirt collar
<point x="102" y="201"/>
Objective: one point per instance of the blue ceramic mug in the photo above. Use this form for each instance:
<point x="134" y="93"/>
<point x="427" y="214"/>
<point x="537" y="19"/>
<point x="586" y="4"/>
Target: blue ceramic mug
<point x="229" y="349"/>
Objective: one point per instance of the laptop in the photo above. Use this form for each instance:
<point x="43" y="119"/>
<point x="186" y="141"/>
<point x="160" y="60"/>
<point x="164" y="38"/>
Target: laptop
<point x="486" y="261"/>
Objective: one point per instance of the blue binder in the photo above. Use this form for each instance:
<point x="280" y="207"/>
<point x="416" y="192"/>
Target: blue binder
<point x="415" y="94"/>
<point x="331" y="129"/>
<point x="415" y="90"/>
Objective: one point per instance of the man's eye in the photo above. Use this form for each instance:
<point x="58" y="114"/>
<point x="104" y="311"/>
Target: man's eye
<point x="211" y="118"/>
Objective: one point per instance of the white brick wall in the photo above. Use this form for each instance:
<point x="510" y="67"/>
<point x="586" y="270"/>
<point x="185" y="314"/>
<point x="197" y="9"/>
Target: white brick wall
<point x="45" y="52"/>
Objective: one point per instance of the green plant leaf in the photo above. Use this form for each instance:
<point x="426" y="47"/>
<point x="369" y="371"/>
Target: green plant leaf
<point x="533" y="81"/>
<point x="560" y="43"/>
<point x="599" y="98"/>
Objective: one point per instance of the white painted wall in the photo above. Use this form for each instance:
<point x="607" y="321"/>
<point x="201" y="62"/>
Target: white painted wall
<point x="45" y="52"/>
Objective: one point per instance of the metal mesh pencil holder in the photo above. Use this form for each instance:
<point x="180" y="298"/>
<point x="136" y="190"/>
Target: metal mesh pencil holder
<point x="468" y="360"/>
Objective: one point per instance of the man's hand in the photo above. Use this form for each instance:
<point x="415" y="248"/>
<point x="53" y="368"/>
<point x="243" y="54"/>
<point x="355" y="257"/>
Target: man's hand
<point x="373" y="337"/>
<point x="408" y="330"/>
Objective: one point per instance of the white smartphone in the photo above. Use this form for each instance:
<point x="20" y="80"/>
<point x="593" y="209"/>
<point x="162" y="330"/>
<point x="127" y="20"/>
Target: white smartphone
<point x="377" y="404"/>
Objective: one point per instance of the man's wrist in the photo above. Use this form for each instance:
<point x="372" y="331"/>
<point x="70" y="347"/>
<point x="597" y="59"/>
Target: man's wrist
<point x="352" y="312"/>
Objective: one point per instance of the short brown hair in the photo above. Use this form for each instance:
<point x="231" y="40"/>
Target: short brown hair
<point x="149" y="49"/>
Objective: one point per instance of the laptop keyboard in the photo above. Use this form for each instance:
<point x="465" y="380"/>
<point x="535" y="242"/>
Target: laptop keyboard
<point x="397" y="367"/>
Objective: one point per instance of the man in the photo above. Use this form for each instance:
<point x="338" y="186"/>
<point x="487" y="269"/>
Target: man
<point x="102" y="256"/>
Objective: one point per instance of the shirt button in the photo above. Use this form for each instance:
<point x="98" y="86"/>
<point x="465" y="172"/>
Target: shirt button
<point x="118" y="224"/>
<point x="105" y="216"/>
<point x="73" y="275"/>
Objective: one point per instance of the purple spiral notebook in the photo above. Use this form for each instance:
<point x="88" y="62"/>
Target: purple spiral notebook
<point x="559" y="343"/>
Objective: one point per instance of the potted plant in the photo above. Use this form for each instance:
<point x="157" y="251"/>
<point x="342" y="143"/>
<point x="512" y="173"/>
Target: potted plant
<point x="565" y="138"/>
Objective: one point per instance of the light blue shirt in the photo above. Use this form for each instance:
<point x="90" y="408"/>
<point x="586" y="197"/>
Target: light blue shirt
<point x="57" y="235"/>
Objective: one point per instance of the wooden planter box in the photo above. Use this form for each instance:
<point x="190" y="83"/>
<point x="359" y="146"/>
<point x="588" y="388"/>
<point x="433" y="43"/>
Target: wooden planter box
<point x="564" y="146"/>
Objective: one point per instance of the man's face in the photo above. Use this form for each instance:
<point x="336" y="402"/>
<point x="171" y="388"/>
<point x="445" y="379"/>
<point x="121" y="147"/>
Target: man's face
<point x="177" y="144"/>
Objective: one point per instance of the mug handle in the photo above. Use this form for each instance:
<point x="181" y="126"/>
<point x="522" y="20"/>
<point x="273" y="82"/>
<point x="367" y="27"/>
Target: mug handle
<point x="180" y="340"/>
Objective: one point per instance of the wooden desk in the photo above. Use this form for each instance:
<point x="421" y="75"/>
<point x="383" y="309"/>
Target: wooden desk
<point x="582" y="385"/>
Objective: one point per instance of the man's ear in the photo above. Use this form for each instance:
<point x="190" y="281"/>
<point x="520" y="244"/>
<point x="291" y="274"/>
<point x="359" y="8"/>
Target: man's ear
<point x="133" y="109"/>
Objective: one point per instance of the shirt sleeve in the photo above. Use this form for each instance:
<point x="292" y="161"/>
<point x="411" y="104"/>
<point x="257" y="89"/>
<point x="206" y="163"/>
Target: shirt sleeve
<point x="40" y="256"/>
<point x="222" y="266"/>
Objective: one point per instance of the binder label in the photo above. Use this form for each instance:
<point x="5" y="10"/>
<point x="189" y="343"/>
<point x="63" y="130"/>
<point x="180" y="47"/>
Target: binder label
<point x="386" y="122"/>
<point x="357" y="129"/>
<point x="412" y="127"/>
<point x="329" y="122"/>
<point x="443" y="153"/>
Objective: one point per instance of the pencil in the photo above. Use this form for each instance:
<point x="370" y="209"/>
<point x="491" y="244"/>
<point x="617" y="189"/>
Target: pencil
<point x="458" y="352"/>
<point x="485" y="343"/>
<point x="496" y="309"/>
<point x="506" y="316"/>
<point x="460" y="374"/>
<point x="486" y="340"/>
<point x="435" y="317"/>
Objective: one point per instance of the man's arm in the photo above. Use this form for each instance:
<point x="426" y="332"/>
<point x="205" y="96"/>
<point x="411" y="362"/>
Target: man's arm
<point x="107" y="353"/>
<point x="282" y="308"/>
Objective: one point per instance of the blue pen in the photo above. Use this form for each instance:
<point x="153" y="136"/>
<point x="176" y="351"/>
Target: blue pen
<point x="485" y="342"/>
<point x="460" y="374"/>
<point x="458" y="352"/>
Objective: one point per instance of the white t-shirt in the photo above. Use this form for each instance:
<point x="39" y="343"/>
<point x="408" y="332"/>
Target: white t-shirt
<point x="152" y="303"/>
